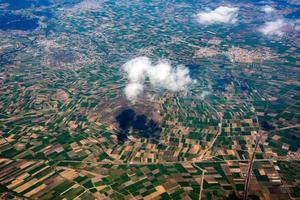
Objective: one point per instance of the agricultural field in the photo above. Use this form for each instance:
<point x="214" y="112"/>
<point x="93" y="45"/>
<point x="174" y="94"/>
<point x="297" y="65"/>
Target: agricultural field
<point x="123" y="99"/>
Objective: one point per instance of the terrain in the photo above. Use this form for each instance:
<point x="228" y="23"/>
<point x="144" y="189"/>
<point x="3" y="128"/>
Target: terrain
<point x="69" y="131"/>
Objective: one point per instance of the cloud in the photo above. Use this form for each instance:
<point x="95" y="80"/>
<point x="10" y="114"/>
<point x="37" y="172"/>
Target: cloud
<point x="133" y="90"/>
<point x="222" y="14"/>
<point x="161" y="75"/>
<point x="85" y="6"/>
<point x="136" y="69"/>
<point x="274" y="28"/>
<point x="268" y="9"/>
<point x="296" y="24"/>
<point x="164" y="76"/>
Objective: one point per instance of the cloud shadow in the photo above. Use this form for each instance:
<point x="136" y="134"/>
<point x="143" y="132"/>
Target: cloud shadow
<point x="140" y="125"/>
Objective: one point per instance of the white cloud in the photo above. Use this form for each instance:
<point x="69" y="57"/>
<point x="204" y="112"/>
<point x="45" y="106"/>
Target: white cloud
<point x="296" y="25"/>
<point x="164" y="76"/>
<point x="85" y="6"/>
<point x="268" y="9"/>
<point x="274" y="28"/>
<point x="161" y="75"/>
<point x="136" y="69"/>
<point x="221" y="14"/>
<point x="133" y="90"/>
